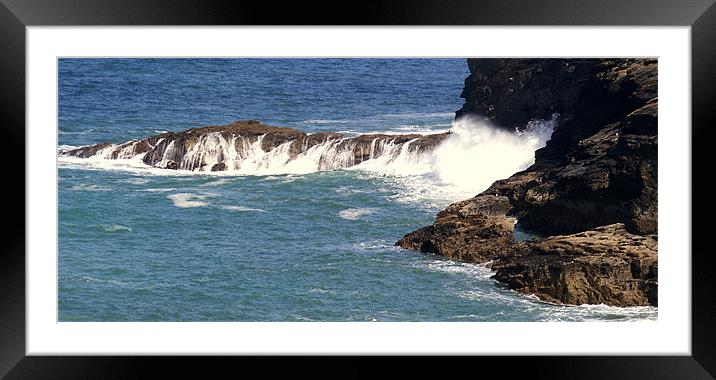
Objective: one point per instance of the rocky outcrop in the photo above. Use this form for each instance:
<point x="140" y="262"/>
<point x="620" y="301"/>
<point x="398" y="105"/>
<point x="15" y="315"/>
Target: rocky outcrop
<point x="599" y="168"/>
<point x="604" y="265"/>
<point x="228" y="147"/>
<point x="475" y="230"/>
<point x="511" y="92"/>
<point x="86" y="151"/>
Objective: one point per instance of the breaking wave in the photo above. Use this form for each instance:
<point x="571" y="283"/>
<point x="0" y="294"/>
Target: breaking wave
<point x="475" y="155"/>
<point x="467" y="160"/>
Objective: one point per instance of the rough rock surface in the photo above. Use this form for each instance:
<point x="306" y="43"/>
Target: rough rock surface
<point x="511" y="92"/>
<point x="599" y="167"/>
<point x="178" y="150"/>
<point x="604" y="265"/>
<point x="475" y="230"/>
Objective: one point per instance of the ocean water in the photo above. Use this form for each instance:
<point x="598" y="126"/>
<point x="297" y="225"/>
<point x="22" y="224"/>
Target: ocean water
<point x="141" y="244"/>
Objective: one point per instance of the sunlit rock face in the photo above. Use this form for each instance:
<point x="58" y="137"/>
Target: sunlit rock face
<point x="598" y="169"/>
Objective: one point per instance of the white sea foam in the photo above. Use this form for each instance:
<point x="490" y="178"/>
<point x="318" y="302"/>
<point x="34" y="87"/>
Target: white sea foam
<point x="61" y="132"/>
<point x="218" y="182"/>
<point x="478" y="271"/>
<point x="324" y="121"/>
<point x="529" y="304"/>
<point x="100" y="280"/>
<point x="187" y="200"/>
<point x="321" y="291"/>
<point x="159" y="190"/>
<point x="132" y="165"/>
<point x="561" y="313"/>
<point x="355" y="213"/>
<point x="117" y="228"/>
<point x="476" y="154"/>
<point x="466" y="163"/>
<point x="375" y="246"/>
<point x="137" y="181"/>
<point x="471" y="158"/>
<point x="242" y="208"/>
<point x="84" y="187"/>
<point x="349" y="190"/>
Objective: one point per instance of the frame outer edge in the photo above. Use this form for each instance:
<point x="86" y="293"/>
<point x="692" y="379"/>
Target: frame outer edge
<point x="385" y="12"/>
<point x="703" y="82"/>
<point x="12" y="246"/>
<point x="12" y="120"/>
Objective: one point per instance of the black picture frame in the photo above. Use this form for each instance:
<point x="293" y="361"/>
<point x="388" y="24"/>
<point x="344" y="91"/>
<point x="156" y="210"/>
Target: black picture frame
<point x="16" y="15"/>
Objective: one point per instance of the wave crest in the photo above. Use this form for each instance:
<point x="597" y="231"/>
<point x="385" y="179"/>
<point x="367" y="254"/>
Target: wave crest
<point x="462" y="162"/>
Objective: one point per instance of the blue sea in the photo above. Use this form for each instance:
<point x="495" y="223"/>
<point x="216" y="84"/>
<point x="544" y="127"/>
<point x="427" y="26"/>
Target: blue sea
<point x="147" y="244"/>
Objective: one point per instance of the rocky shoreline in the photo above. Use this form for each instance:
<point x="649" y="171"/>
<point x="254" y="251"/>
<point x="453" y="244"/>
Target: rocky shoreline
<point x="591" y="193"/>
<point x="225" y="147"/>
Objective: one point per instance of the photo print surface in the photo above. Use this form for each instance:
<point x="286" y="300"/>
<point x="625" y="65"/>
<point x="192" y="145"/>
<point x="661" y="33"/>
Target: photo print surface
<point x="392" y="189"/>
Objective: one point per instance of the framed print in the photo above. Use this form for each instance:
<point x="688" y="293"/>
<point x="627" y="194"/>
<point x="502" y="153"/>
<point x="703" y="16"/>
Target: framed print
<point x="444" y="180"/>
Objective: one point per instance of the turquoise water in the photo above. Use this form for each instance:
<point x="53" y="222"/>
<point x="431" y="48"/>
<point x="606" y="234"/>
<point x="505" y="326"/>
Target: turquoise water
<point x="149" y="245"/>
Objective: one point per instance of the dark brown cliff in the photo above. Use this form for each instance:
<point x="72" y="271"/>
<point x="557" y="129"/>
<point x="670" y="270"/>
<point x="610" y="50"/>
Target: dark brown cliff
<point x="598" y="169"/>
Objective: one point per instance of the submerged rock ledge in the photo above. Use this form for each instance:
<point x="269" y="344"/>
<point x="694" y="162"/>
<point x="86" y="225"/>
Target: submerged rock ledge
<point x="228" y="147"/>
<point x="592" y="191"/>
